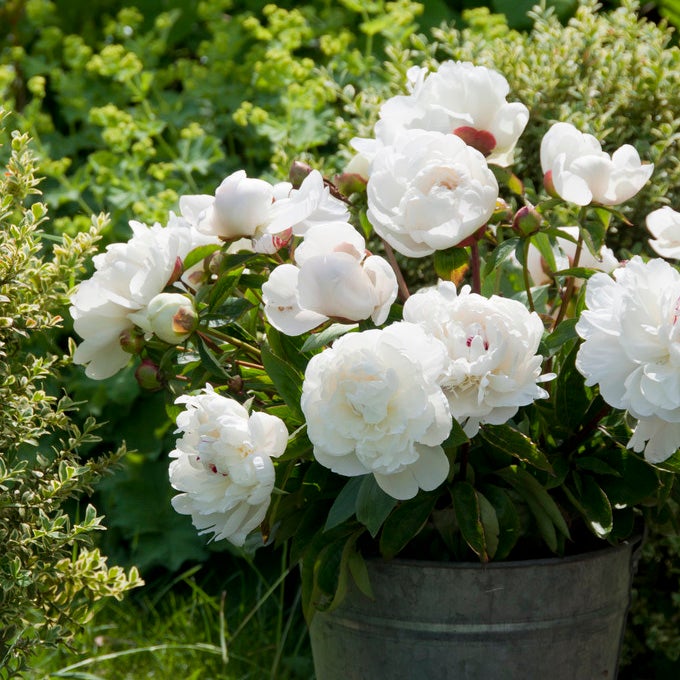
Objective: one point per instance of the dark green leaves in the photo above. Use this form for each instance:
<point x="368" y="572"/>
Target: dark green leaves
<point x="476" y="519"/>
<point x="510" y="441"/>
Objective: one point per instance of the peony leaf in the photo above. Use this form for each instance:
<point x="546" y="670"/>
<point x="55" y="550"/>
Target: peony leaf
<point x="572" y="400"/>
<point x="209" y="360"/>
<point x="198" y="254"/>
<point x="468" y="515"/>
<point x="548" y="517"/>
<point x="223" y="288"/>
<point x="510" y="441"/>
<point x="564" y="332"/>
<point x="373" y="505"/>
<point x="286" y="379"/>
<point x="638" y="479"/>
<point x="345" y="503"/>
<point x="500" y="254"/>
<point x="508" y="520"/>
<point x="593" y="504"/>
<point x="359" y="572"/>
<point x="451" y="263"/>
<point x="490" y="525"/>
<point x="326" y="336"/>
<point x="405" y="523"/>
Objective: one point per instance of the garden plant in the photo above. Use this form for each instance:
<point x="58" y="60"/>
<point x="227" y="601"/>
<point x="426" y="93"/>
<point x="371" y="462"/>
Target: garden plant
<point x="51" y="573"/>
<point x="146" y="129"/>
<point x="524" y="404"/>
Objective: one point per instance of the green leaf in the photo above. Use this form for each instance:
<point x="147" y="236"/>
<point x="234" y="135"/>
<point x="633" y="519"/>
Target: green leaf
<point x="345" y="502"/>
<point x="565" y="332"/>
<point x="549" y="519"/>
<point x="448" y="261"/>
<point x="545" y="248"/>
<point x="468" y="516"/>
<point x="510" y="441"/>
<point x="572" y="400"/>
<point x="223" y="288"/>
<point x="286" y="379"/>
<point x="500" y="254"/>
<point x="198" y="254"/>
<point x="326" y="336"/>
<point x="359" y="572"/>
<point x="373" y="505"/>
<point x="638" y="480"/>
<point x="209" y="359"/>
<point x="593" y="464"/>
<point x="594" y="505"/>
<point x="405" y="523"/>
<point x="508" y="520"/>
<point x="490" y="525"/>
<point x="229" y="311"/>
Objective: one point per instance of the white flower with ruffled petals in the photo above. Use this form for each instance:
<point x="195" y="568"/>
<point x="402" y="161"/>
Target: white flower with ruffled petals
<point x="372" y="405"/>
<point x="223" y="464"/>
<point x="459" y="98"/>
<point x="429" y="191"/>
<point x="492" y="367"/>
<point x="580" y="172"/>
<point x="664" y="225"/>
<point x="126" y="278"/>
<point x="307" y="206"/>
<point x="334" y="278"/>
<point x="631" y="348"/>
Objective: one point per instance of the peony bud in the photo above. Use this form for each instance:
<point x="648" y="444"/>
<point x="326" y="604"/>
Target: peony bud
<point x="549" y="185"/>
<point x="481" y="140"/>
<point x="132" y="340"/>
<point x="527" y="220"/>
<point x="149" y="376"/>
<point x="350" y="183"/>
<point x="171" y="317"/>
<point x="298" y="172"/>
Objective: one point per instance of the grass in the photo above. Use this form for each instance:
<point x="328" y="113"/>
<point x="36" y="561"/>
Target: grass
<point x="245" y="624"/>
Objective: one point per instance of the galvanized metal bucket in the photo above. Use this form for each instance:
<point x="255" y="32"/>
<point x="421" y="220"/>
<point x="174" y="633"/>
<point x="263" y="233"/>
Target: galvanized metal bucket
<point x="560" y="619"/>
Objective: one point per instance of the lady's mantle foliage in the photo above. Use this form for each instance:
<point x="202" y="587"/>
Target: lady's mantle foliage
<point x="470" y="413"/>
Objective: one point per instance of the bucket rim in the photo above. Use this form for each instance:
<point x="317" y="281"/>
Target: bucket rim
<point x="629" y="545"/>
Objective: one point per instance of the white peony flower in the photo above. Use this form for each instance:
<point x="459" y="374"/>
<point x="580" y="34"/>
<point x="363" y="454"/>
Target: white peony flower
<point x="126" y="278"/>
<point x="658" y="438"/>
<point x="631" y="348"/>
<point x="564" y="258"/>
<point x="311" y="204"/>
<point x="281" y="305"/>
<point x="223" y="464"/>
<point x="664" y="225"/>
<point x="372" y="405"/>
<point x="459" y="98"/>
<point x="334" y="279"/>
<point x="581" y="173"/>
<point x="429" y="191"/>
<point x="241" y="207"/>
<point x="492" y="367"/>
<point x="265" y="213"/>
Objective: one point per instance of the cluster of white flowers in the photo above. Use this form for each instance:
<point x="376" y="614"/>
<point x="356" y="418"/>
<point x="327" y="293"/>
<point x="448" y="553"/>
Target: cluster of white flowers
<point x="222" y="464"/>
<point x="127" y="278"/>
<point x="382" y="401"/>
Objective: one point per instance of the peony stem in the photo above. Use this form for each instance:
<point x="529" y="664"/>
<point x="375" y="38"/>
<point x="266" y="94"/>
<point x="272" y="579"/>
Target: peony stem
<point x="401" y="282"/>
<point x="569" y="292"/>
<point x="475" y="267"/>
<point x="525" y="272"/>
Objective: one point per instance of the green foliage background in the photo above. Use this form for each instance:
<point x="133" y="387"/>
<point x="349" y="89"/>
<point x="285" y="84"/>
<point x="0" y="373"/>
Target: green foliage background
<point x="132" y="103"/>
